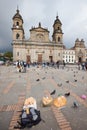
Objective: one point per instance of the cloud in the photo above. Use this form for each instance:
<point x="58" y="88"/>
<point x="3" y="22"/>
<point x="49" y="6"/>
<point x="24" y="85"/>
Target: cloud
<point x="72" y="14"/>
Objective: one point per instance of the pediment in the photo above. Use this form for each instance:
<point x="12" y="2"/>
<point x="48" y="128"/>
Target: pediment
<point x="39" y="29"/>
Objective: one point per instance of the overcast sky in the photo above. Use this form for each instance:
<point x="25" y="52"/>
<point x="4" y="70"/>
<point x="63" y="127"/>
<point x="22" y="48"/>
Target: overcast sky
<point x="72" y="14"/>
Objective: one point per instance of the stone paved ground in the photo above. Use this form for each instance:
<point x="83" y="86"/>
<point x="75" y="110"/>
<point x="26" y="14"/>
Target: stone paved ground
<point x="16" y="87"/>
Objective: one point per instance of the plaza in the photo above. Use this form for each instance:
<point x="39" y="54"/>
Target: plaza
<point x="15" y="87"/>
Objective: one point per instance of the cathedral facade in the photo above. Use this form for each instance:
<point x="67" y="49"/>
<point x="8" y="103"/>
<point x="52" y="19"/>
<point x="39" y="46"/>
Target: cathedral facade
<point x="39" y="48"/>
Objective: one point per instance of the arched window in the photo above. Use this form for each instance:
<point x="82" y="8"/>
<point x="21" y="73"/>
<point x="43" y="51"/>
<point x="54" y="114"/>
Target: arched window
<point x="58" y="28"/>
<point x="17" y="36"/>
<point x="17" y="53"/>
<point x="58" y="39"/>
<point x="17" y="23"/>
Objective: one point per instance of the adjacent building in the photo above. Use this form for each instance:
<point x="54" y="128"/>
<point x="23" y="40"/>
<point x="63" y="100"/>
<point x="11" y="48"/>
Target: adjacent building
<point x="69" y="56"/>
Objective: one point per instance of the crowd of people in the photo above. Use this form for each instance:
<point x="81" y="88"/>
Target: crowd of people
<point x="21" y="65"/>
<point x="82" y="66"/>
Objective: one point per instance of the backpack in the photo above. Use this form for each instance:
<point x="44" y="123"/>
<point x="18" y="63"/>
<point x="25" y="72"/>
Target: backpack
<point x="28" y="120"/>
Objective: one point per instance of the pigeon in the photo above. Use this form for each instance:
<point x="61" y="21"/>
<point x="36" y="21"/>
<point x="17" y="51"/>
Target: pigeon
<point x="67" y="81"/>
<point x="60" y="85"/>
<point x="75" y="104"/>
<point x="38" y="80"/>
<point x="67" y="94"/>
<point x="75" y="80"/>
<point x="53" y="92"/>
<point x="43" y="78"/>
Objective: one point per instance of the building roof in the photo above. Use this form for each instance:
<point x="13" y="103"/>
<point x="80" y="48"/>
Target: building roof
<point x="57" y="21"/>
<point x="17" y="15"/>
<point x="39" y="28"/>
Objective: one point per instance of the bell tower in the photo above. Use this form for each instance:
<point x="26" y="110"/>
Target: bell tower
<point x="57" y="31"/>
<point x="17" y="28"/>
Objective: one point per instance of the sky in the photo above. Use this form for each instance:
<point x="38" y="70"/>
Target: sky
<point x="72" y="14"/>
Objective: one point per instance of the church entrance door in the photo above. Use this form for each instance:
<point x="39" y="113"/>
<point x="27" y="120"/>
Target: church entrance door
<point x="28" y="59"/>
<point x="51" y="58"/>
<point x="40" y="58"/>
<point x="80" y="59"/>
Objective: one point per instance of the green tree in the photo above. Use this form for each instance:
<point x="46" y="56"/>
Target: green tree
<point x="8" y="55"/>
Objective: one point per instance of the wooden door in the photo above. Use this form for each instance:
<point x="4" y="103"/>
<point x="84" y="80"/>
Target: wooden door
<point x="51" y="58"/>
<point x="28" y="59"/>
<point x="40" y="58"/>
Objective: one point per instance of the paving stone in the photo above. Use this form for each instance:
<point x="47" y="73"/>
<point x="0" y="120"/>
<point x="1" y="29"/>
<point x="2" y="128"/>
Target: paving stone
<point x="60" y="117"/>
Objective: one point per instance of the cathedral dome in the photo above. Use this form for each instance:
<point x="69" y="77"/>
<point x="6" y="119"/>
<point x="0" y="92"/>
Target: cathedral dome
<point x="57" y="21"/>
<point x="17" y="15"/>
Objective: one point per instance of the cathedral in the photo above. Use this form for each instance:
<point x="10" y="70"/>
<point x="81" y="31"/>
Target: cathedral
<point x="39" y="48"/>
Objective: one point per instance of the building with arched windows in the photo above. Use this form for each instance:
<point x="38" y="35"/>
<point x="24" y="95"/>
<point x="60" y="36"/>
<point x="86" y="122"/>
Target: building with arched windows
<point x="39" y="48"/>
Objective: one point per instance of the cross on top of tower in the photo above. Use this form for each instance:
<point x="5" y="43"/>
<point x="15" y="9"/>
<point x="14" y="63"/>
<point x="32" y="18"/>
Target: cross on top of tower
<point x="57" y="16"/>
<point x="17" y="9"/>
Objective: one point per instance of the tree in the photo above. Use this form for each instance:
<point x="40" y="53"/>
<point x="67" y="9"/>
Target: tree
<point x="8" y="55"/>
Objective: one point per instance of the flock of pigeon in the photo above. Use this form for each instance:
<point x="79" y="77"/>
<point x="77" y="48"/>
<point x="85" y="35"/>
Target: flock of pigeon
<point x="75" y="103"/>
